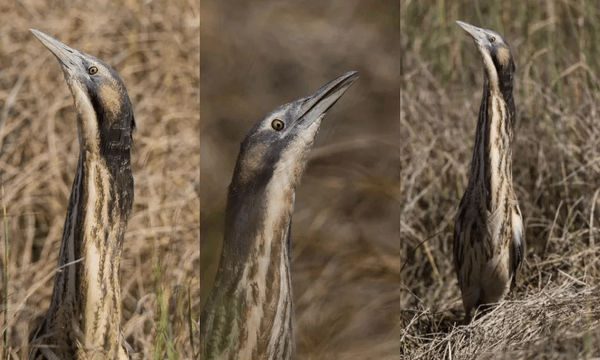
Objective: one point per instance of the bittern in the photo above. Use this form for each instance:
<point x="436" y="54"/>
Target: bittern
<point x="488" y="233"/>
<point x="84" y="318"/>
<point x="249" y="313"/>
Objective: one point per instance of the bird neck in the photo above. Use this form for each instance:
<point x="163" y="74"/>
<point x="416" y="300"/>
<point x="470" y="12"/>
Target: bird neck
<point x="506" y="82"/>
<point x="87" y="295"/>
<point x="492" y="154"/>
<point x="250" y="308"/>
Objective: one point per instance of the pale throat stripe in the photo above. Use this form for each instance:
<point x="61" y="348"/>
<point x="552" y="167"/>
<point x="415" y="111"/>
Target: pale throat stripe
<point x="274" y="214"/>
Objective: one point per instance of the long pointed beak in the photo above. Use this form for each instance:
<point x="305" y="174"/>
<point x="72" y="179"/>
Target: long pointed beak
<point x="67" y="57"/>
<point x="316" y="104"/>
<point x="479" y="35"/>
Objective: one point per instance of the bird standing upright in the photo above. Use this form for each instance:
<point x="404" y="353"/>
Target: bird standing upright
<point x="488" y="233"/>
<point x="249" y="313"/>
<point x="84" y="317"/>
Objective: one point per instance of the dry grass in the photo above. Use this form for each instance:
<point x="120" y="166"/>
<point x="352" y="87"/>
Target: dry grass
<point x="155" y="48"/>
<point x="533" y="326"/>
<point x="553" y="313"/>
<point x="258" y="55"/>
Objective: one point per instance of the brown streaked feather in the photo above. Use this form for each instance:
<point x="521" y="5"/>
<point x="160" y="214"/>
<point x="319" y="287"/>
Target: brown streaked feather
<point x="488" y="233"/>
<point x="84" y="317"/>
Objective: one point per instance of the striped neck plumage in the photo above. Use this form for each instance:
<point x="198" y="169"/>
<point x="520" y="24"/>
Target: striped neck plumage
<point x="492" y="153"/>
<point x="87" y="295"/>
<point x="253" y="280"/>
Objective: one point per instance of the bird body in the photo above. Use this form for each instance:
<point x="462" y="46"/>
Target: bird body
<point x="488" y="233"/>
<point x="84" y="317"/>
<point x="249" y="313"/>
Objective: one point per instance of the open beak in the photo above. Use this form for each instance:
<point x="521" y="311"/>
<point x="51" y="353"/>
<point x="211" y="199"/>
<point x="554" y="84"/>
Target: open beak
<point x="317" y="104"/>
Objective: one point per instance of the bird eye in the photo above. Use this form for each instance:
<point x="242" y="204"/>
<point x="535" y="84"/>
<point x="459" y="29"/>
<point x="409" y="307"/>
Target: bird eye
<point x="277" y="125"/>
<point x="92" y="70"/>
<point x="492" y="39"/>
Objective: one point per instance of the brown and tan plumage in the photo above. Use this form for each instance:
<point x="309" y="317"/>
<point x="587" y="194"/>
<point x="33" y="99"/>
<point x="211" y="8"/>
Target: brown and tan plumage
<point x="488" y="233"/>
<point x="249" y="313"/>
<point x="84" y="317"/>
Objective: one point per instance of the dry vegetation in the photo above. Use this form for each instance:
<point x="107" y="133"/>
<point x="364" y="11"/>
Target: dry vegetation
<point x="258" y="55"/>
<point x="154" y="46"/>
<point x="554" y="313"/>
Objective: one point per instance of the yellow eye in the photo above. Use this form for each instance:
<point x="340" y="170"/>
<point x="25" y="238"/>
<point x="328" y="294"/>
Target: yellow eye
<point x="492" y="39"/>
<point x="92" y="70"/>
<point x="277" y="125"/>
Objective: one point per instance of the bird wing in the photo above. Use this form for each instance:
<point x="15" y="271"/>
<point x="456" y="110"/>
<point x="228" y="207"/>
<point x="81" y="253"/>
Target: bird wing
<point x="459" y="239"/>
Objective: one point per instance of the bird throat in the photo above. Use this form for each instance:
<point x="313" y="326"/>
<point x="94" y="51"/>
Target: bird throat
<point x="88" y="267"/>
<point x="256" y="288"/>
<point x="492" y="155"/>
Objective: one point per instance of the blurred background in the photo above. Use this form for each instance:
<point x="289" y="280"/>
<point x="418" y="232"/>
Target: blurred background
<point x="154" y="46"/>
<point x="556" y="168"/>
<point x="257" y="55"/>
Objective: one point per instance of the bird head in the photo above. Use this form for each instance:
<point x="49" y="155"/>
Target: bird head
<point x="496" y="55"/>
<point x="278" y="145"/>
<point x="105" y="114"/>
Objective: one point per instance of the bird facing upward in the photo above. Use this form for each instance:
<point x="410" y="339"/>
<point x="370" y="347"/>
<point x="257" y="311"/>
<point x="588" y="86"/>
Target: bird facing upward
<point x="488" y="233"/>
<point x="249" y="313"/>
<point x="84" y="317"/>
